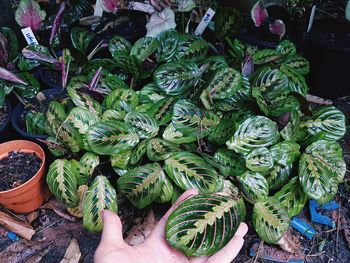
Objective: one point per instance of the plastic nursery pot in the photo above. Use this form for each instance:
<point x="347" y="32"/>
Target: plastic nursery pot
<point x="5" y="132"/>
<point x="328" y="51"/>
<point x="18" y="118"/>
<point x="33" y="193"/>
<point x="50" y="78"/>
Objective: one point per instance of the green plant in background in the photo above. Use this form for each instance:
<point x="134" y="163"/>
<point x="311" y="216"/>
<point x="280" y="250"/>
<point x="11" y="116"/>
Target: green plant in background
<point x="199" y="121"/>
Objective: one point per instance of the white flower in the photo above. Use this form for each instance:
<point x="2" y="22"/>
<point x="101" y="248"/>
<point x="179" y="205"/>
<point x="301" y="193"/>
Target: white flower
<point x="185" y="5"/>
<point x="160" y="22"/>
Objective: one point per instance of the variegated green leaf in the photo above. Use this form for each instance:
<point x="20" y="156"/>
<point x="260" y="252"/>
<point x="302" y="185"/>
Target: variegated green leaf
<point x="70" y="136"/>
<point x="62" y="182"/>
<point x="138" y="152"/>
<point x="113" y="115"/>
<point x="159" y="149"/>
<point x="254" y="186"/>
<point x="166" y="192"/>
<point x="215" y="63"/>
<point x="112" y="101"/>
<point x="225" y="84"/>
<point x="172" y="135"/>
<point x="328" y="121"/>
<point x="144" y="47"/>
<point x="121" y="160"/>
<point x="270" y="220"/>
<point x="87" y="165"/>
<point x="150" y="94"/>
<point x="191" y="48"/>
<point x="286" y="47"/>
<point x="83" y="100"/>
<point x="176" y="78"/>
<point x="191" y="120"/>
<point x="265" y="56"/>
<point x="82" y="119"/>
<point x="188" y="171"/>
<point x="271" y="82"/>
<point x="222" y="132"/>
<point x="161" y="110"/>
<point x="259" y="160"/>
<point x="203" y="224"/>
<point x="285" y="153"/>
<point x="144" y="125"/>
<point x="296" y="81"/>
<point x="321" y="168"/>
<point x="292" y="197"/>
<point x="292" y="131"/>
<point x="168" y="40"/>
<point x="254" y="132"/>
<point x="81" y="38"/>
<point x="142" y="185"/>
<point x="55" y="115"/>
<point x="298" y="63"/>
<point x="100" y="196"/>
<point x="107" y="138"/>
<point x="118" y="43"/>
<point x="278" y="176"/>
<point x="230" y="163"/>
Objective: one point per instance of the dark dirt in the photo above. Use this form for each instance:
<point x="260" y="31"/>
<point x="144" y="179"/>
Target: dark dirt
<point x="17" y="168"/>
<point x="52" y="77"/>
<point x="3" y="114"/>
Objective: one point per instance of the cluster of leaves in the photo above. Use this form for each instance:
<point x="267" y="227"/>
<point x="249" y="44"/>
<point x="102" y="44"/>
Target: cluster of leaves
<point x="200" y="124"/>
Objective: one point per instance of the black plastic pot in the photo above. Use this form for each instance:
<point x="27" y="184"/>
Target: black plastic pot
<point x="18" y="118"/>
<point x="49" y="78"/>
<point x="263" y="38"/>
<point x="328" y="51"/>
<point x="5" y="128"/>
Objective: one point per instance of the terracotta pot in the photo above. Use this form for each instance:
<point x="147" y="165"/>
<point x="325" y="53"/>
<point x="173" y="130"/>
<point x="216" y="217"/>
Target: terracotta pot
<point x="33" y="193"/>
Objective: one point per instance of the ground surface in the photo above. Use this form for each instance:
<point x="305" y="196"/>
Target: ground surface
<point x="54" y="232"/>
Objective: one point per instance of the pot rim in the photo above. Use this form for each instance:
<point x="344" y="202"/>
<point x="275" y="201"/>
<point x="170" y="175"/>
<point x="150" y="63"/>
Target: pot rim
<point x="43" y="161"/>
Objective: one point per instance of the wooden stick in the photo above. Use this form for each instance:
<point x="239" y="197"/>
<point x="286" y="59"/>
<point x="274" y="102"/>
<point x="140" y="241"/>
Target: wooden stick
<point x="14" y="225"/>
<point x="73" y="253"/>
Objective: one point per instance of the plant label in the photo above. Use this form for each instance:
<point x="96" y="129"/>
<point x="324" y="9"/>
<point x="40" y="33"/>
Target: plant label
<point x="312" y="17"/>
<point x="29" y="36"/>
<point x="98" y="9"/>
<point x="204" y="22"/>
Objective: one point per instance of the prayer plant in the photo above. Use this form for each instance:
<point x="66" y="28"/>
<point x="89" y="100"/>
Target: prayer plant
<point x="240" y="133"/>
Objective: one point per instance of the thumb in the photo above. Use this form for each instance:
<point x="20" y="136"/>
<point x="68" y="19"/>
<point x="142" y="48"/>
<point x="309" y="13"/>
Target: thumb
<point x="112" y="233"/>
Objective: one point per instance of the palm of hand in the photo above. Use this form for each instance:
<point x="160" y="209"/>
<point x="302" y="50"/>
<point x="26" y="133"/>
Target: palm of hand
<point x="156" y="249"/>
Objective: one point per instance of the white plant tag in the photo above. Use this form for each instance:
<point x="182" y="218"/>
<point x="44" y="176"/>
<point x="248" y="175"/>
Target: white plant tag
<point x="312" y="17"/>
<point x="98" y="9"/>
<point x="29" y="36"/>
<point x="204" y="22"/>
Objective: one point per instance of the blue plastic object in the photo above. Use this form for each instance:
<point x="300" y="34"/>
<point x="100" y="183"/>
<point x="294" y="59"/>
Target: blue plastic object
<point x="304" y="228"/>
<point x="316" y="217"/>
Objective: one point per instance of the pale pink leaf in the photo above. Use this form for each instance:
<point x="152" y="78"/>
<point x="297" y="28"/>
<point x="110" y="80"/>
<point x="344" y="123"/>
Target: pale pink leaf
<point x="259" y="13"/>
<point x="110" y="6"/>
<point x="248" y="66"/>
<point x="29" y="14"/>
<point x="277" y="27"/>
<point x="3" y="50"/>
<point x="9" y="76"/>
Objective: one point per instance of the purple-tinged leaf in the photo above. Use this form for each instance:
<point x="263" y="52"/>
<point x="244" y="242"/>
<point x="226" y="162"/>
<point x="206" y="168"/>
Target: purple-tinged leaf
<point x="31" y="54"/>
<point x="29" y="14"/>
<point x="95" y="79"/>
<point x="248" y="66"/>
<point x="110" y="6"/>
<point x="57" y="21"/>
<point x="9" y="76"/>
<point x="3" y="50"/>
<point x="259" y="13"/>
<point x="65" y="65"/>
<point x="277" y="27"/>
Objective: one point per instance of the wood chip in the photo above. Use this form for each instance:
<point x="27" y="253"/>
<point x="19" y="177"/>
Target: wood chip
<point x="31" y="217"/>
<point x="39" y="256"/>
<point x="22" y="229"/>
<point x="73" y="253"/>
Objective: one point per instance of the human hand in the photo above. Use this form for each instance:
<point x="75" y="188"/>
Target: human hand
<point x="156" y="249"/>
